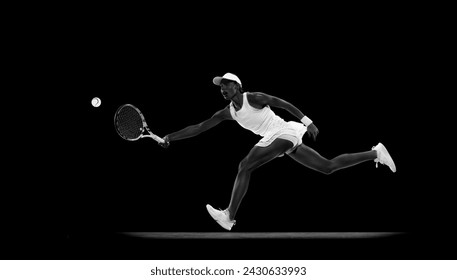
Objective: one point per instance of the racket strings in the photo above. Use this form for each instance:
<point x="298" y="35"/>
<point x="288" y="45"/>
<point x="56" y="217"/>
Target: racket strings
<point x="129" y="123"/>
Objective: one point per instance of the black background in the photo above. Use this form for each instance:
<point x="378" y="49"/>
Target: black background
<point x="361" y="79"/>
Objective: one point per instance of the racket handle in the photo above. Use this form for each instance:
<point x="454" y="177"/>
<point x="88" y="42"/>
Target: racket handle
<point x="157" y="138"/>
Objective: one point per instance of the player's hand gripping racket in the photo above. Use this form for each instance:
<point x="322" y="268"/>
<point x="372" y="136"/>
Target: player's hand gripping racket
<point x="131" y="125"/>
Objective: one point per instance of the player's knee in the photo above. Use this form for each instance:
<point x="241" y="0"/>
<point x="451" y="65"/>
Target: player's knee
<point x="245" y="166"/>
<point x="329" y="171"/>
<point x="328" y="168"/>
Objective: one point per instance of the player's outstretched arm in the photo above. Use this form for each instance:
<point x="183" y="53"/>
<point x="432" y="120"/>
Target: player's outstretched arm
<point x="194" y="130"/>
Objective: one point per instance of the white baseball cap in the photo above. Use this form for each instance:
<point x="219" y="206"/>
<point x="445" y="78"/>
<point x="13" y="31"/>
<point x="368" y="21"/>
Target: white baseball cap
<point x="227" y="76"/>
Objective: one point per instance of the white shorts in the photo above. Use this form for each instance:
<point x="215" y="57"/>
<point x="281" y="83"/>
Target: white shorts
<point x="292" y="131"/>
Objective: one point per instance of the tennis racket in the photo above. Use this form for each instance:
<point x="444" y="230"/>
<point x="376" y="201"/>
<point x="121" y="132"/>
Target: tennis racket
<point x="131" y="125"/>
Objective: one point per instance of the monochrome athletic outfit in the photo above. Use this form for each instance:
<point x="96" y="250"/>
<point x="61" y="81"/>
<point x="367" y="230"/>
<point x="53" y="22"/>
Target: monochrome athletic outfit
<point x="266" y="123"/>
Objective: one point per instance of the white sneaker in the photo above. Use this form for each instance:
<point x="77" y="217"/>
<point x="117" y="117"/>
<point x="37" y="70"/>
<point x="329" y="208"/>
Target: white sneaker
<point x="221" y="217"/>
<point x="384" y="157"/>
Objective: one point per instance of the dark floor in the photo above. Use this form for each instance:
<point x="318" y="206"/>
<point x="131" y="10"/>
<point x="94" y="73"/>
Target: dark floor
<point x="260" y="235"/>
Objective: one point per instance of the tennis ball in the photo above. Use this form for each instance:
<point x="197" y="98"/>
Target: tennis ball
<point x="96" y="102"/>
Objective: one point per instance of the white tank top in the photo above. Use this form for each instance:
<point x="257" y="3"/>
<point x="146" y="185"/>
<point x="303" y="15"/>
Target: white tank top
<point x="259" y="121"/>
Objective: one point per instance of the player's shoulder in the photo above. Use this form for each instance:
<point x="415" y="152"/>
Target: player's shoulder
<point x="257" y="98"/>
<point x="256" y="95"/>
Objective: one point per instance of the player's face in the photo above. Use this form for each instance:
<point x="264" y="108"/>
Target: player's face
<point x="228" y="89"/>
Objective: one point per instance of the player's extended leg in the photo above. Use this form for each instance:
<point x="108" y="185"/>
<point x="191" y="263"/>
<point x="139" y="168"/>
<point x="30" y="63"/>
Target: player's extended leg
<point x="312" y="159"/>
<point x="256" y="158"/>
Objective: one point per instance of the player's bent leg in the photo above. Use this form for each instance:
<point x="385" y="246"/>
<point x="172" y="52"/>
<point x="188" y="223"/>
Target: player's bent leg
<point x="312" y="159"/>
<point x="257" y="157"/>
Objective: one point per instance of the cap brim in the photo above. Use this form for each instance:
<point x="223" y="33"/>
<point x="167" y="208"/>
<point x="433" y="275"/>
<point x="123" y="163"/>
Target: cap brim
<point x="217" y="81"/>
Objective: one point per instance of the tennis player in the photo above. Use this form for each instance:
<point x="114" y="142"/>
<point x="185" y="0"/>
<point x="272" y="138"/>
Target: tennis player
<point x="252" y="110"/>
